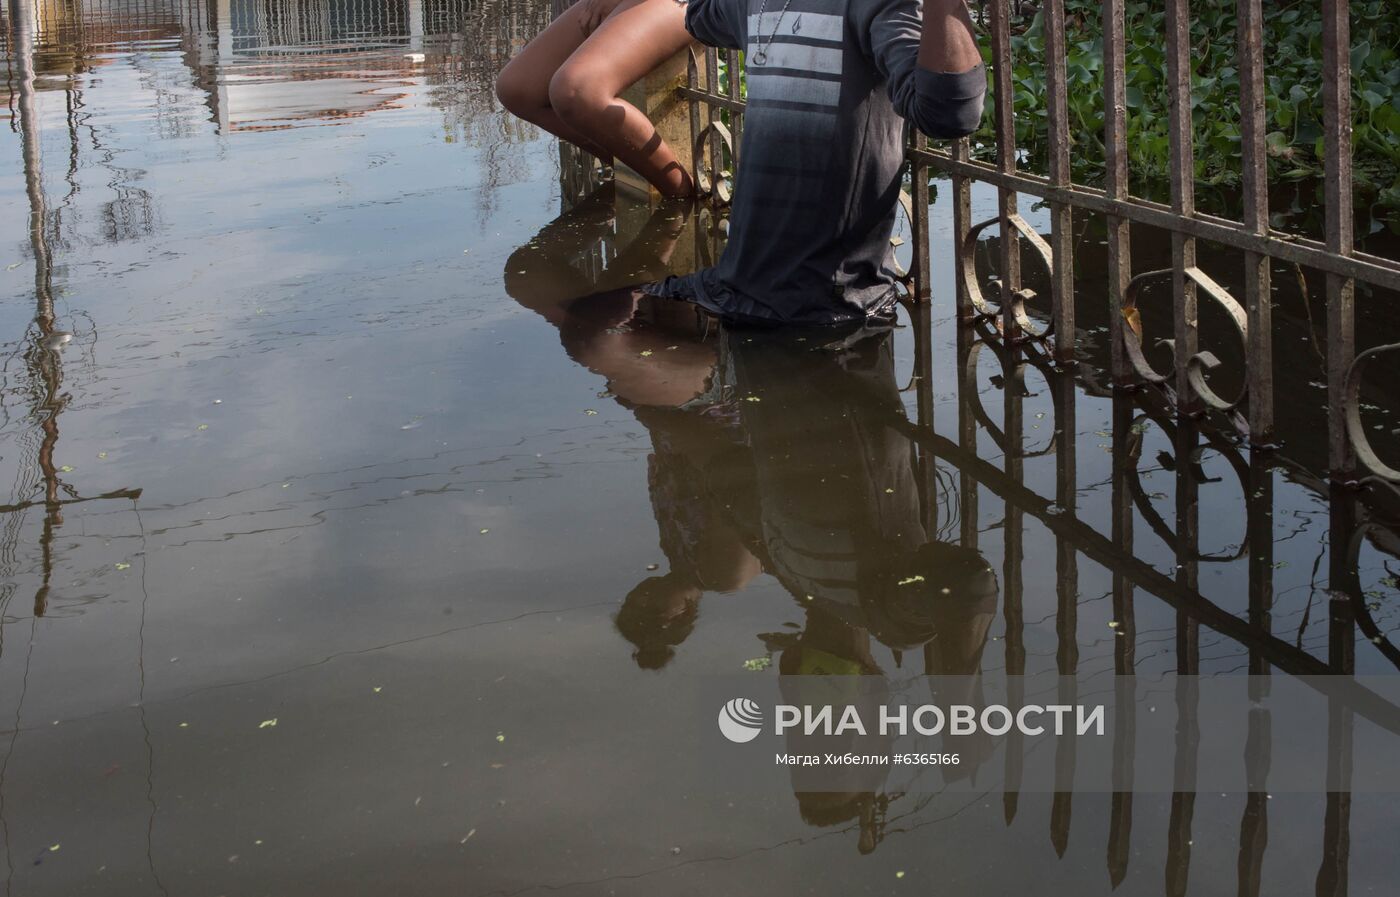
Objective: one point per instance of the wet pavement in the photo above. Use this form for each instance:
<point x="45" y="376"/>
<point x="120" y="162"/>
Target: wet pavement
<point x="366" y="535"/>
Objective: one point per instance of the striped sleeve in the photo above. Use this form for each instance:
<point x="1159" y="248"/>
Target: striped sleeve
<point x="940" y="104"/>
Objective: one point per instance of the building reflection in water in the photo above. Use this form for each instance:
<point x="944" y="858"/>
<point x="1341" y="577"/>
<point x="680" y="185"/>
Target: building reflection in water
<point x="42" y="349"/>
<point x="260" y="66"/>
<point x="795" y="455"/>
<point x="275" y="65"/>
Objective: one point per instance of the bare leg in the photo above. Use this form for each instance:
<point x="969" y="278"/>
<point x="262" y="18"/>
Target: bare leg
<point x="523" y="85"/>
<point x="635" y="39"/>
<point x="568" y="84"/>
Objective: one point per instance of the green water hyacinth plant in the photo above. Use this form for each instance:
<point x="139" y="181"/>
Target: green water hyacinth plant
<point x="1293" y="75"/>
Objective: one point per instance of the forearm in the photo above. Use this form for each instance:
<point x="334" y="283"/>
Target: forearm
<point x="948" y="43"/>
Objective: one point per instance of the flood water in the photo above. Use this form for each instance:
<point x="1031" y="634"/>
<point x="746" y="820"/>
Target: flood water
<point x="343" y="555"/>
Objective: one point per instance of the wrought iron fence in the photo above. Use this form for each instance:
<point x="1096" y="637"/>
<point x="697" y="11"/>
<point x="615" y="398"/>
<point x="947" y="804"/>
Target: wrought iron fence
<point x="1187" y="384"/>
<point x="1180" y="402"/>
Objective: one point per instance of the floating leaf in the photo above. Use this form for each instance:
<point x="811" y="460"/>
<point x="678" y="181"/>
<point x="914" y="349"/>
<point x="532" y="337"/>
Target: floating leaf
<point x="202" y="427"/>
<point x="268" y="723"/>
<point x="123" y="565"/>
<point x="757" y="664"/>
<point x="646" y="353"/>
<point x="912" y="579"/>
<point x="67" y="468"/>
<point x="1133" y="318"/>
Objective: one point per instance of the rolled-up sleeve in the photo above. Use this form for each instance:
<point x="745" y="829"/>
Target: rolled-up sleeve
<point x="716" y="23"/>
<point x="947" y="104"/>
<point x="940" y="104"/>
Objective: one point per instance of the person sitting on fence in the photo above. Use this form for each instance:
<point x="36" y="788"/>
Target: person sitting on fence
<point x="830" y="84"/>
<point x="568" y="78"/>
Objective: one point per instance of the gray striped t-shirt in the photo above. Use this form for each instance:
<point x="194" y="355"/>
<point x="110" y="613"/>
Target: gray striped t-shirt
<point x="818" y="178"/>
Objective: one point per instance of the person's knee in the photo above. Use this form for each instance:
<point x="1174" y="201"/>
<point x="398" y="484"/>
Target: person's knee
<point x="515" y="91"/>
<point x="575" y="95"/>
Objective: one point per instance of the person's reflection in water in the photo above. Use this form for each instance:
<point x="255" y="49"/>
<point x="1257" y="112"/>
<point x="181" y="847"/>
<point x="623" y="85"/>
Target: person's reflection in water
<point x="775" y="451"/>
<point x="842" y="529"/>
<point x="696" y="456"/>
<point x="652" y="353"/>
<point x="659" y="358"/>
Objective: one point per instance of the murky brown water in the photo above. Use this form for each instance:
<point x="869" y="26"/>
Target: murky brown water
<point x="344" y="554"/>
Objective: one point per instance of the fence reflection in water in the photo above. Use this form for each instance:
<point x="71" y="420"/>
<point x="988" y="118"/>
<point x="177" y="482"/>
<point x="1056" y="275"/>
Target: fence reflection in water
<point x="996" y="317"/>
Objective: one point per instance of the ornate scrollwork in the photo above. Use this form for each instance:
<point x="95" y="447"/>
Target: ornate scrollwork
<point x="1013" y="377"/>
<point x="1195" y="459"/>
<point x="1351" y="403"/>
<point x="1199" y="364"/>
<point x="1018" y="298"/>
<point x="906" y="203"/>
<point x="710" y="181"/>
<point x="1132" y="326"/>
<point x="1365" y="621"/>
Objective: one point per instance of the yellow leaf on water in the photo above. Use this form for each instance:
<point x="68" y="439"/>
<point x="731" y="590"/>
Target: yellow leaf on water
<point x="268" y="723"/>
<point x="122" y="565"/>
<point x="1134" y="321"/>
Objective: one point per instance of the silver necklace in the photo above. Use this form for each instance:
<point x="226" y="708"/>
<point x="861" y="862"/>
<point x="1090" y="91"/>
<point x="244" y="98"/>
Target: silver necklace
<point x="760" y="53"/>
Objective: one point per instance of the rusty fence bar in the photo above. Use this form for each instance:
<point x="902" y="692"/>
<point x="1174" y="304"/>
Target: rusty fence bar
<point x="1115" y="139"/>
<point x="1254" y="161"/>
<point x="1005" y="123"/>
<point x="1061" y="213"/>
<point x="1182" y="167"/>
<point x="1341" y="290"/>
